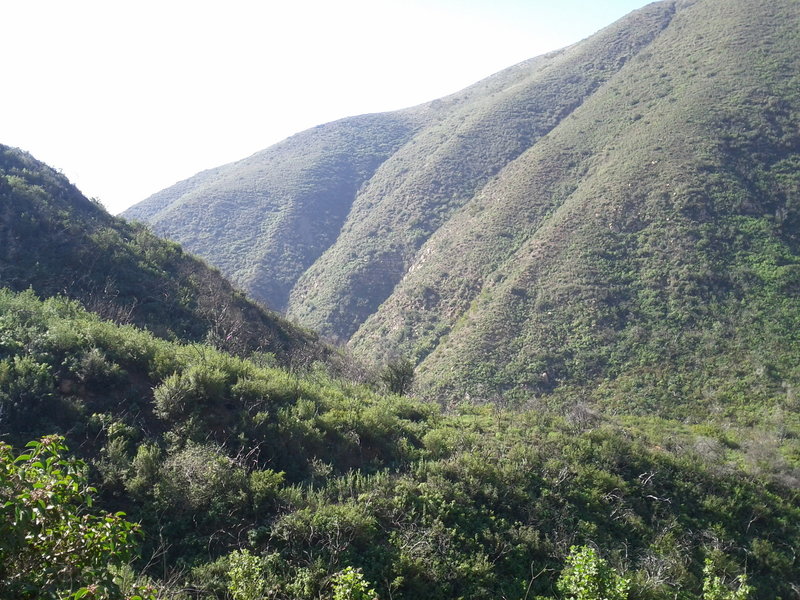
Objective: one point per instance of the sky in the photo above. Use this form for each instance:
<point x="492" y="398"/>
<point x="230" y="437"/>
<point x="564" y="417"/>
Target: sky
<point x="127" y="98"/>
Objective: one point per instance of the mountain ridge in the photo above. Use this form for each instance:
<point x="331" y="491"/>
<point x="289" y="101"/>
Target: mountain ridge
<point x="569" y="225"/>
<point x="427" y="113"/>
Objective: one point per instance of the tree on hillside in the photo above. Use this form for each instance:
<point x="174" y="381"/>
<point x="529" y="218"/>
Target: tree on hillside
<point x="587" y="576"/>
<point x="398" y="376"/>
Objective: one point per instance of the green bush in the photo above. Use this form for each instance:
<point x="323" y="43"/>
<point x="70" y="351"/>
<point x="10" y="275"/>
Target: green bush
<point x="715" y="586"/>
<point x="246" y="576"/>
<point x="349" y="584"/>
<point x="586" y="576"/>
<point x="202" y="478"/>
<point x="398" y="376"/>
<point x="26" y="390"/>
<point x="52" y="546"/>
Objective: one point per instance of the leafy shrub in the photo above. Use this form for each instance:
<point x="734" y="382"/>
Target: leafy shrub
<point x="264" y="486"/>
<point x="97" y="371"/>
<point x="349" y="584"/>
<point x="201" y="478"/>
<point x="146" y="465"/>
<point x="246" y="576"/>
<point x="398" y="376"/>
<point x="26" y="387"/>
<point x="589" y="577"/>
<point x="52" y="547"/>
<point x="716" y="588"/>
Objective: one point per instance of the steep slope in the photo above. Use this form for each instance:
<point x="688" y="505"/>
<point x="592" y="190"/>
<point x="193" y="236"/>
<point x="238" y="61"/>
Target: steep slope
<point x="55" y="241"/>
<point x="619" y="219"/>
<point x="662" y="260"/>
<point x="264" y="220"/>
<point x="415" y="191"/>
<point x="222" y="460"/>
<point x="374" y="187"/>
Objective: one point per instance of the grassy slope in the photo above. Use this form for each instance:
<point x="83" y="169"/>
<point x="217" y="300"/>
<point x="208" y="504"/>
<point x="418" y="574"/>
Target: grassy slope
<point x="55" y="241"/>
<point x="260" y="218"/>
<point x="649" y="236"/>
<point x="265" y="219"/>
<point x="622" y="213"/>
<point x="420" y="187"/>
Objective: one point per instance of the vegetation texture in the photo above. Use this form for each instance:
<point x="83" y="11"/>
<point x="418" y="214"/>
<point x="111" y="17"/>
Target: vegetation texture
<point x="55" y="241"/>
<point x="618" y="219"/>
<point x="249" y="481"/>
<point x="587" y="266"/>
<point x="52" y="547"/>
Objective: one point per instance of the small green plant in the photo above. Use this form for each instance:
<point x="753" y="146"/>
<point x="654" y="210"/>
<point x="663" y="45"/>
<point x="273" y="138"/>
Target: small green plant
<point x="246" y="576"/>
<point x="586" y="576"/>
<point x="349" y="584"/>
<point x="715" y="588"/>
<point x="398" y="376"/>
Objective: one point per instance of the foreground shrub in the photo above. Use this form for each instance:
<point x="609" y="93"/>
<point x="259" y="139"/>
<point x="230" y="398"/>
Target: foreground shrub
<point x="52" y="546"/>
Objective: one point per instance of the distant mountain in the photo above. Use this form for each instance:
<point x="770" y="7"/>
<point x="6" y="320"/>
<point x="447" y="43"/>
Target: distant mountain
<point x="619" y="218"/>
<point x="56" y="241"/>
<point x="265" y="220"/>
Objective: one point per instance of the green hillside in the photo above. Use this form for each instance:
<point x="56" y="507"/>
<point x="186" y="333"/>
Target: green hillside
<point x="250" y="482"/>
<point x="440" y="170"/>
<point x="55" y="241"/>
<point x="593" y="261"/>
<point x="618" y="219"/>
<point x="661" y="266"/>
<point x="266" y="219"/>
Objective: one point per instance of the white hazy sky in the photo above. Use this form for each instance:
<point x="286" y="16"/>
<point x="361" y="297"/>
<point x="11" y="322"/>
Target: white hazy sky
<point x="127" y="98"/>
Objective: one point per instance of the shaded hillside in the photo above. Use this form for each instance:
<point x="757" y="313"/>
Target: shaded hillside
<point x="55" y="241"/>
<point x="618" y="218"/>
<point x="264" y="220"/>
